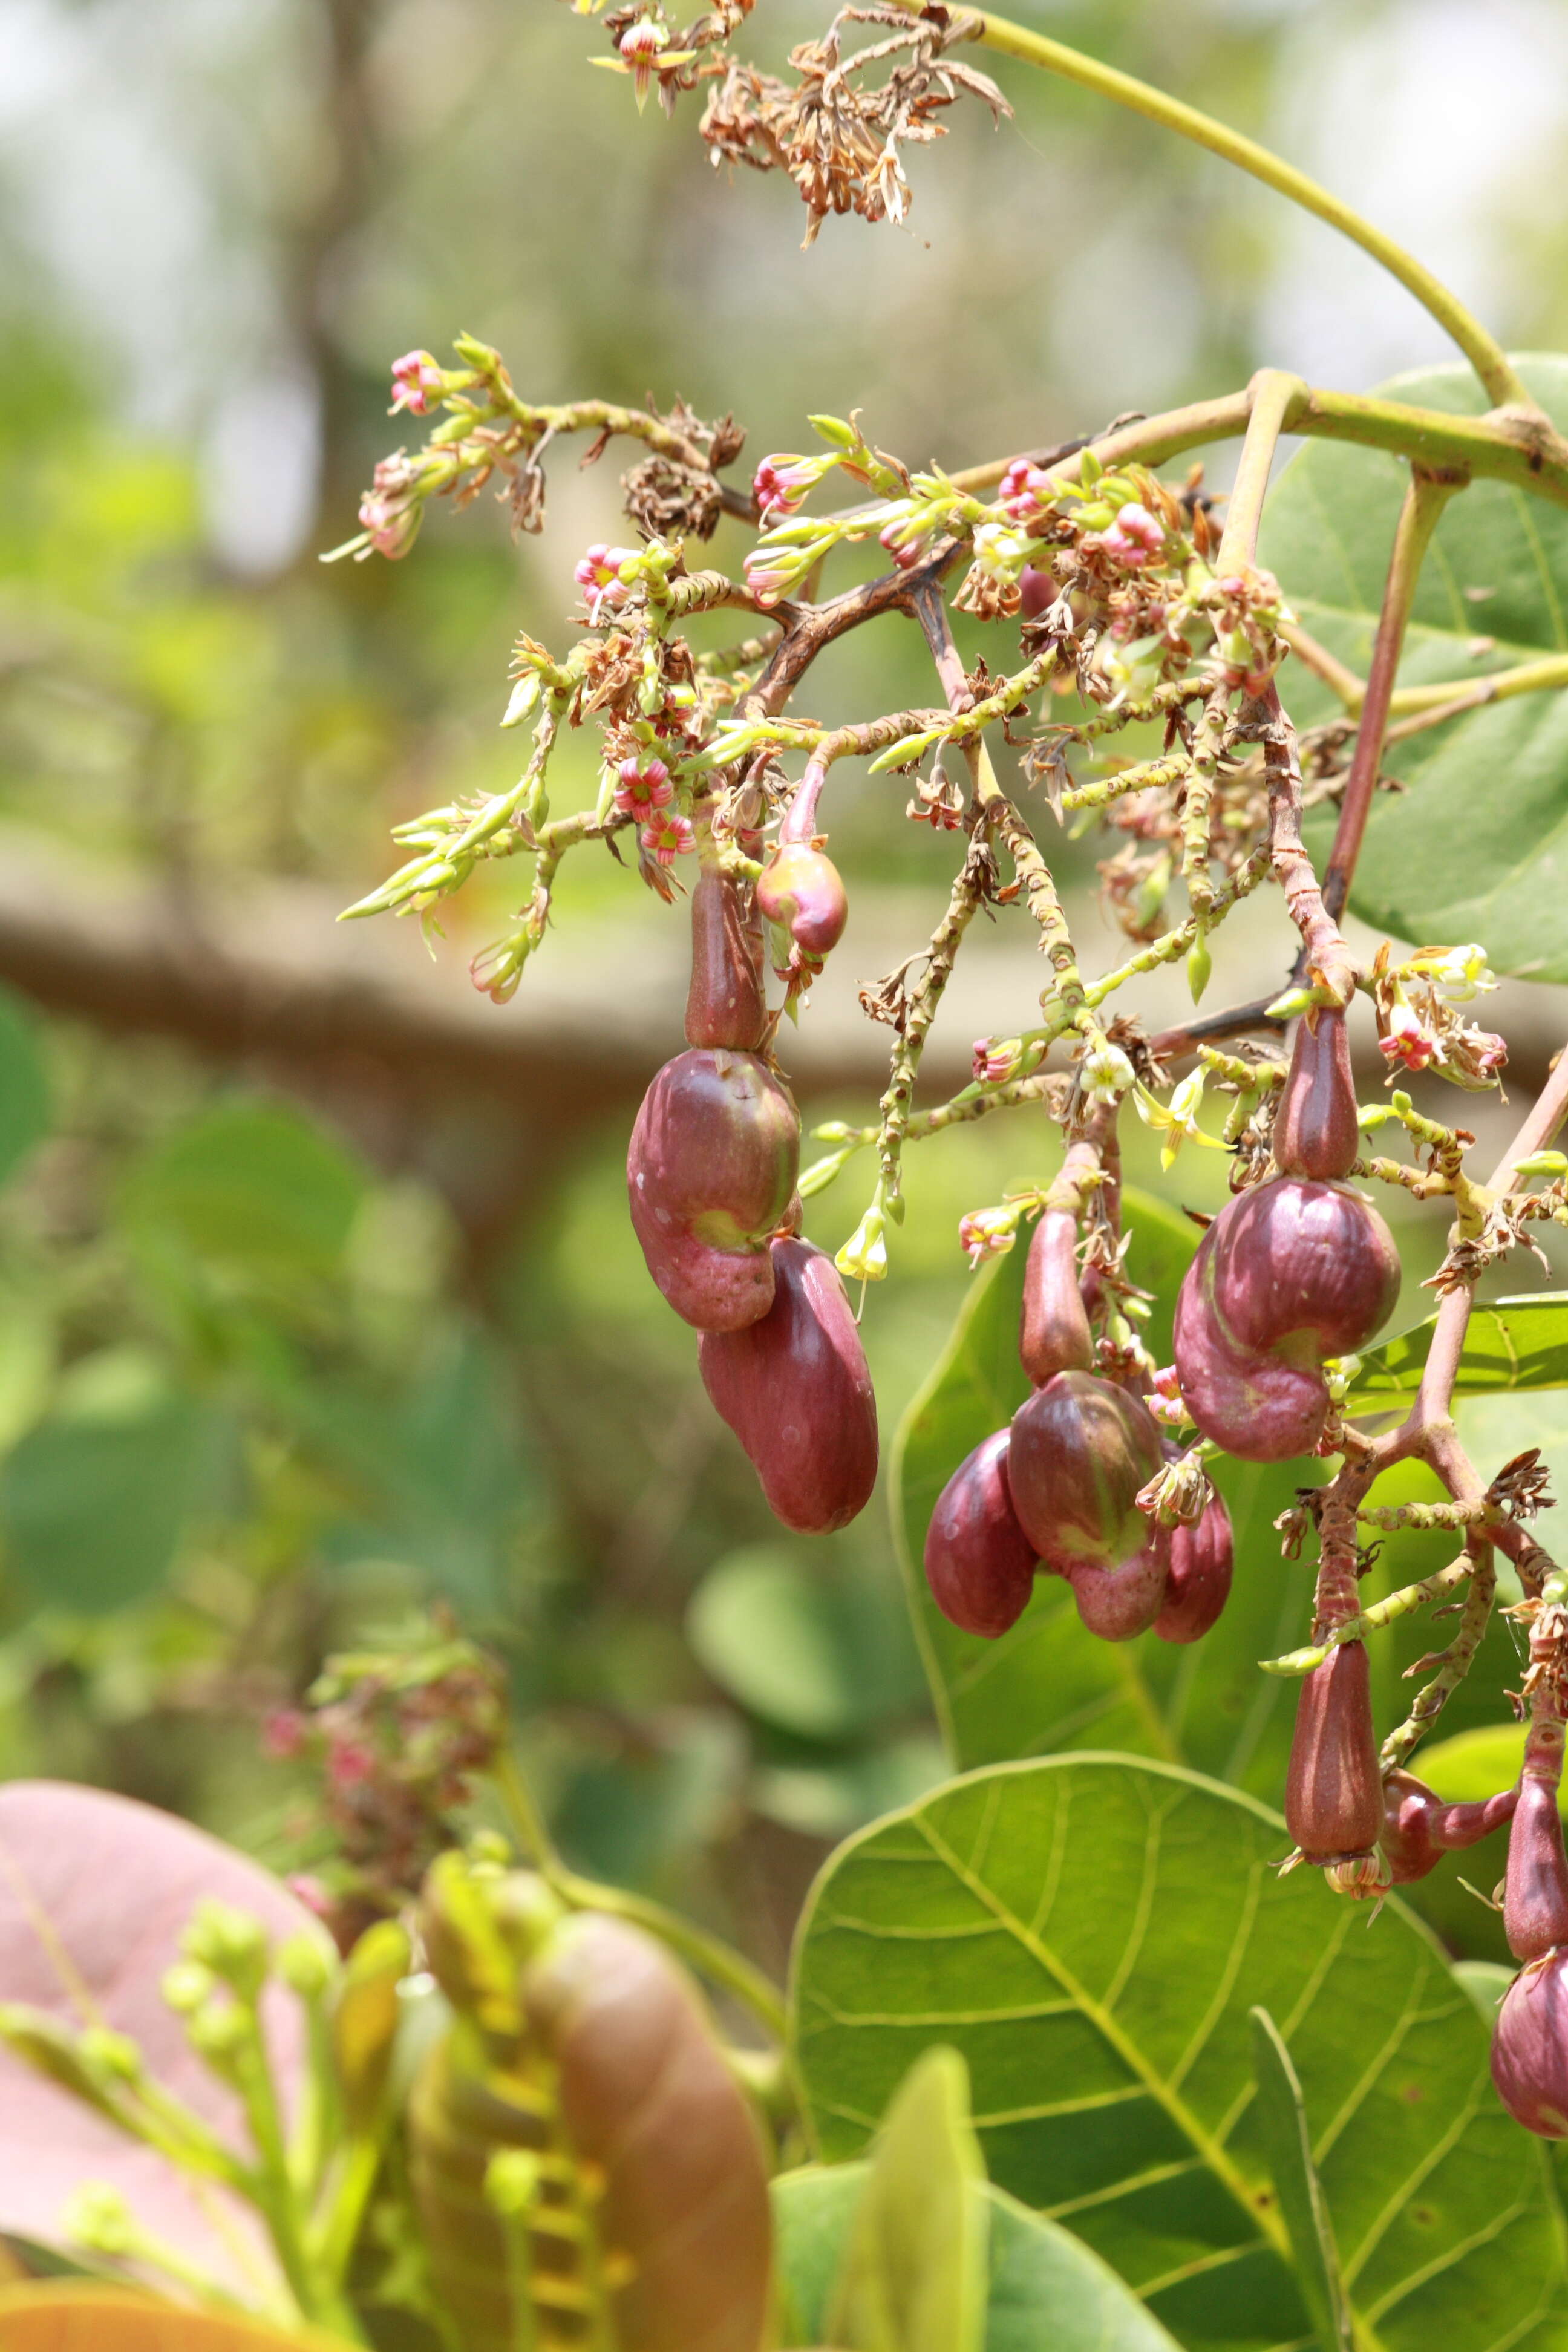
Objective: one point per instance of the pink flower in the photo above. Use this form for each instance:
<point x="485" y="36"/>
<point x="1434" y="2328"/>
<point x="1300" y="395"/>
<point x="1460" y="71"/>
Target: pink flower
<point x="780" y="483"/>
<point x="414" y="378"/>
<point x="640" y="44"/>
<point x="904" y="543"/>
<point x="597" y="574"/>
<point x="645" y="787"/>
<point x="1134" y="539"/>
<point x="993" y="1059"/>
<point x="283" y="1732"/>
<point x="392" y="523"/>
<point x="1025" y="492"/>
<point x="1164" y="1400"/>
<point x="1491" y="1050"/>
<point x="1406" y="1041"/>
<point x="668" y="837"/>
<point x="987" y="1232"/>
<point x="766" y="577"/>
<point x="350" y="1764"/>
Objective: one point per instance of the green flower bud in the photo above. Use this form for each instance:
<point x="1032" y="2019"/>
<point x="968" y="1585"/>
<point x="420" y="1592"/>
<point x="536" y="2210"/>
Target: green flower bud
<point x="112" y="2055"/>
<point x="98" y="2217"/>
<point x="186" y="1985"/>
<point x="1200" y="969"/>
<point x="230" y="1943"/>
<point x="305" y="1966"/>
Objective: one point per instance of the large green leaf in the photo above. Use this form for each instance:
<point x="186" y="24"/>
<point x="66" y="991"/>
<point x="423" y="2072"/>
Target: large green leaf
<point x="1514" y="1343"/>
<point x="1046" y="2291"/>
<point x="93" y="1507"/>
<point x="1048" y="1685"/>
<point x="1288" y="2148"/>
<point x="1478" y="848"/>
<point x="821" y="1649"/>
<point x="1091" y="1932"/>
<point x="249" y="1193"/>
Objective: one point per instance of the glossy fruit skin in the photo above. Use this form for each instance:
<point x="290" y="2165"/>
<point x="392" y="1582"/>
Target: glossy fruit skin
<point x="1119" y="1603"/>
<point x="802" y="891"/>
<point x="794" y="1389"/>
<point x="1315" y="1130"/>
<point x="1036" y="591"/>
<point x="1333" y="1790"/>
<point x="726" y="1004"/>
<point x="1286" y="1275"/>
<point x="1529" y="2049"/>
<point x="1198" y="1582"/>
<point x="1535" y="1887"/>
<point x="979" y="1563"/>
<point x="1053" y="1331"/>
<point x="710" y="1173"/>
<point x="1419" y="1828"/>
<point x="1080" y="1450"/>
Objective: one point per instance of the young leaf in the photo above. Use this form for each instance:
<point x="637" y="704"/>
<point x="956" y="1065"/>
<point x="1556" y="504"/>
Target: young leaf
<point x="68" y="2315"/>
<point x="1044" y="2287"/>
<point x="1091" y="1932"/>
<point x="1288" y="2148"/>
<point x="912" y="2277"/>
<point x="95" y="1893"/>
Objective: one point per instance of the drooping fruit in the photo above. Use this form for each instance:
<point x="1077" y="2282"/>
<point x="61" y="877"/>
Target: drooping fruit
<point x="794" y="1389"/>
<point x="1080" y="1450"/>
<point x="1287" y="1274"/>
<point x="1052" y="1332"/>
<point x="979" y="1563"/>
<point x="1535" y="1888"/>
<point x="710" y="1173"/>
<point x="1197" y="1580"/>
<point x="1121" y="1603"/>
<point x="1419" y="1827"/>
<point x="1333" y="1790"/>
<point x="1315" y="1130"/>
<point x="802" y="891"/>
<point x="725" y="1004"/>
<point x="1529" y="2049"/>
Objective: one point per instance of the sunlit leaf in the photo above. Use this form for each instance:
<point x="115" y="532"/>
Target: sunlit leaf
<point x="1513" y="1343"/>
<point x="912" y="2275"/>
<point x="1287" y="2151"/>
<point x="818" y="1646"/>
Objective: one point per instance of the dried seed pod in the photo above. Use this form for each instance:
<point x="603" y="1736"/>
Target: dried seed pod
<point x="1535" y="1888"/>
<point x="1081" y="1449"/>
<point x="725" y="1004"/>
<point x="1120" y="1603"/>
<point x="1285" y="1275"/>
<point x="794" y="1389"/>
<point x="710" y="1173"/>
<point x="1529" y="2049"/>
<point x="802" y="891"/>
<point x="1333" y="1790"/>
<point x="979" y="1563"/>
<point x="1419" y="1827"/>
<point x="1198" y="1582"/>
<point x="1315" y="1130"/>
<point x="1053" y="1331"/>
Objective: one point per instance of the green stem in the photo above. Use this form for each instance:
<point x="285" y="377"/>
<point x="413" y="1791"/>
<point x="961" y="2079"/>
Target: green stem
<point x="1455" y="1662"/>
<point x="714" y="1960"/>
<point x="1485" y="354"/>
<point x="1425" y="500"/>
<point x="1274" y="396"/>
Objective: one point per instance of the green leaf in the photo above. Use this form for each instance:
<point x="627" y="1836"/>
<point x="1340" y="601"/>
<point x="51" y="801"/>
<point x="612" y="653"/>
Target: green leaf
<point x="1091" y="1933"/>
<point x="92" y="1509"/>
<point x="24" y="1084"/>
<point x="912" y="2276"/>
<point x="1287" y="2146"/>
<point x="1514" y="1343"/>
<point x="250" y="1193"/>
<point x="1493" y="593"/>
<point x="1475" y="1764"/>
<point x="1047" y="1684"/>
<point x="1485" y="1981"/>
<point x="820" y="1649"/>
<point x="1044" y="2289"/>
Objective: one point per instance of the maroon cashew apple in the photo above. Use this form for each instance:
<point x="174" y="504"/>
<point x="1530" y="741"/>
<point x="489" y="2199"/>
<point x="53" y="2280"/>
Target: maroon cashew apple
<point x="725" y="1003"/>
<point x="1535" y="1888"/>
<point x="1287" y="1274"/>
<point x="1419" y="1827"/>
<point x="1529" y="2049"/>
<point x="1080" y="1450"/>
<point x="794" y="1389"/>
<point x="1315" y="1130"/>
<point x="1333" y="1790"/>
<point x="1119" y="1603"/>
<point x="979" y="1563"/>
<point x="802" y="891"/>
<point x="1197" y="1578"/>
<point x="1052" y="1332"/>
<point x="710" y="1174"/>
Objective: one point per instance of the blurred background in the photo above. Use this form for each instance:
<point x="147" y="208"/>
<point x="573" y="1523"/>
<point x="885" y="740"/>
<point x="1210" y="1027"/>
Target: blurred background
<point x="317" y="1301"/>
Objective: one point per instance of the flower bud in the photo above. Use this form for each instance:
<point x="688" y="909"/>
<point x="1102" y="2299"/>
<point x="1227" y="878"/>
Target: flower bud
<point x="979" y="1563"/>
<point x="1037" y="591"/>
<point x="710" y="1173"/>
<point x="1333" y="1790"/>
<point x="1081" y="1449"/>
<point x="1315" y="1130"/>
<point x="794" y="1389"/>
<point x="1053" y="1333"/>
<point x="1529" y="2049"/>
<point x="1535" y="1889"/>
<point x="803" y="892"/>
<point x="1419" y="1827"/>
<point x="1197" y="1579"/>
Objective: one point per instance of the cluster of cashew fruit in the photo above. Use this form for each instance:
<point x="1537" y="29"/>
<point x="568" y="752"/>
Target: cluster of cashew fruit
<point x="712" y="1174"/>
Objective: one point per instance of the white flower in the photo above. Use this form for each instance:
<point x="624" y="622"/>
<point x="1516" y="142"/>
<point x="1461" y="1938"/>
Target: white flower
<point x="1106" y="1073"/>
